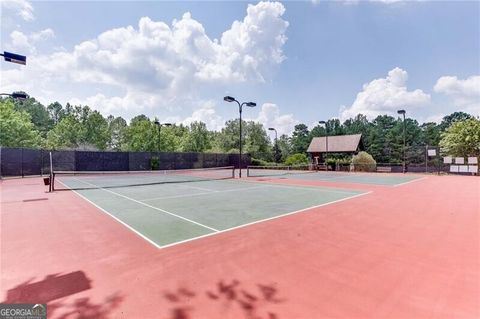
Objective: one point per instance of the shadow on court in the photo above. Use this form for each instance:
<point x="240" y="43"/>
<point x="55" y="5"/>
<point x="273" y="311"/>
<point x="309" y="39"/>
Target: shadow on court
<point x="56" y="286"/>
<point x="228" y="297"/>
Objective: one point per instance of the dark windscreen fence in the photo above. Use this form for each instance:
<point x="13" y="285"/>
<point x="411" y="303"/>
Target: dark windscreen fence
<point x="101" y="161"/>
<point x="61" y="160"/>
<point x="31" y="162"/>
<point x="11" y="162"/>
<point x="209" y="160"/>
<point x="166" y="160"/>
<point x="139" y="161"/>
<point x="16" y="162"/>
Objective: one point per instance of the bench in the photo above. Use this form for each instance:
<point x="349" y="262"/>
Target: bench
<point x="384" y="169"/>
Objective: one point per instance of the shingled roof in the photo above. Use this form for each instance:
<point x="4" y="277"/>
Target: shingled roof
<point x="336" y="144"/>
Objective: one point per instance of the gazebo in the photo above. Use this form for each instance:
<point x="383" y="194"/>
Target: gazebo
<point x="337" y="144"/>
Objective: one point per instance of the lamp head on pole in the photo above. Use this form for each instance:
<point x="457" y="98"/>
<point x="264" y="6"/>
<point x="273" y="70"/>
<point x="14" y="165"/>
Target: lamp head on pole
<point x="251" y="104"/>
<point x="229" y="98"/>
<point x="19" y="95"/>
<point x="271" y="129"/>
<point x="322" y="122"/>
<point x="401" y="112"/>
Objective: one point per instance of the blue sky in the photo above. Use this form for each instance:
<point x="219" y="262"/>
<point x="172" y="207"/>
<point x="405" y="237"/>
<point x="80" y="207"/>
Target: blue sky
<point x="300" y="61"/>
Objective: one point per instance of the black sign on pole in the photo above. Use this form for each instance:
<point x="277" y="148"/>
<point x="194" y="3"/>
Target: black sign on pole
<point x="14" y="58"/>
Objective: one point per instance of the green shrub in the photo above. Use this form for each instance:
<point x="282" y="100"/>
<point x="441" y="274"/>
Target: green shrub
<point x="260" y="162"/>
<point x="344" y="161"/>
<point x="364" y="162"/>
<point x="154" y="163"/>
<point x="296" y="159"/>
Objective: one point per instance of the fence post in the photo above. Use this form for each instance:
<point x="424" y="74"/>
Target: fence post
<point x="426" y="158"/>
<point x="21" y="165"/>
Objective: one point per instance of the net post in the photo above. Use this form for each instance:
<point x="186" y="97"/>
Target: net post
<point x="50" y="186"/>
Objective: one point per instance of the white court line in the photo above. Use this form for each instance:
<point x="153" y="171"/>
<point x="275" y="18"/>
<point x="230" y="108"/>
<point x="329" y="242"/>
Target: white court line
<point x="150" y="206"/>
<point x="115" y="218"/>
<point x="205" y="193"/>
<point x="216" y="231"/>
<point x="199" y="188"/>
<point x="413" y="180"/>
<point x="310" y="188"/>
<point x="264" y="220"/>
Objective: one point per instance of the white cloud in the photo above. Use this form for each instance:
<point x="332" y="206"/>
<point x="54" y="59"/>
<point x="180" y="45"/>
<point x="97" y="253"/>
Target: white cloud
<point x="270" y="116"/>
<point x="465" y="93"/>
<point x="207" y="115"/>
<point x="385" y="96"/>
<point x="23" y="8"/>
<point x="27" y="43"/>
<point x="436" y="118"/>
<point x="154" y="67"/>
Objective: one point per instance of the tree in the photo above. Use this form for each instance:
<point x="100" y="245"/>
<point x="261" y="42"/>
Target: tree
<point x="56" y="112"/>
<point x="285" y="147"/>
<point x="297" y="159"/>
<point x="300" y="139"/>
<point x="95" y="130"/>
<point x="197" y="140"/>
<point x="462" y="138"/>
<point x="257" y="143"/>
<point x="228" y="140"/>
<point x="16" y="129"/>
<point x="385" y="138"/>
<point x="116" y="127"/>
<point x="66" y="134"/>
<point x="454" y="117"/>
<point x="140" y="117"/>
<point x="430" y="133"/>
<point x="140" y="136"/>
<point x="38" y="114"/>
<point x="359" y="125"/>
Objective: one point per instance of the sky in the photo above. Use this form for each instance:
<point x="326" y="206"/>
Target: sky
<point x="300" y="61"/>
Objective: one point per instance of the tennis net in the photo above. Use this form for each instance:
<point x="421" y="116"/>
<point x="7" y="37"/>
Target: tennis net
<point x="274" y="170"/>
<point x="77" y="180"/>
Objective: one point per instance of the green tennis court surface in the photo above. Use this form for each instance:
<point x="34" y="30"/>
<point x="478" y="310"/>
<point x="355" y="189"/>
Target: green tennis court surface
<point x="165" y="214"/>
<point x="341" y="177"/>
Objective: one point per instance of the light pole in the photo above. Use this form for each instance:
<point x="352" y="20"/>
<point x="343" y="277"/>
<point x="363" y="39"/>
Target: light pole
<point x="276" y="143"/>
<point x="404" y="139"/>
<point x="14" y="58"/>
<point x="240" y="105"/>
<point x="326" y="142"/>
<point x="160" y="129"/>
<point x="17" y="95"/>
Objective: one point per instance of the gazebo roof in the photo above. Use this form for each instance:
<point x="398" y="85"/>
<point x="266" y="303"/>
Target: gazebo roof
<point x="336" y="144"/>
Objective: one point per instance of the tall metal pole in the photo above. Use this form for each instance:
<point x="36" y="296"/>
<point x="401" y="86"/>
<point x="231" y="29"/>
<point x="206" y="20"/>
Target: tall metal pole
<point x="403" y="112"/>
<point x="159" y="136"/>
<point x="240" y="148"/>
<point x="426" y="158"/>
<point x="276" y="143"/>
<point x="326" y="142"/>
<point x="249" y="104"/>
<point x="276" y="147"/>
<point x="404" y="145"/>
<point x="326" y="145"/>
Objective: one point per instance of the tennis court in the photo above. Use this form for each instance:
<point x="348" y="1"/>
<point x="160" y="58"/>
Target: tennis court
<point x="166" y="208"/>
<point x="341" y="177"/>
